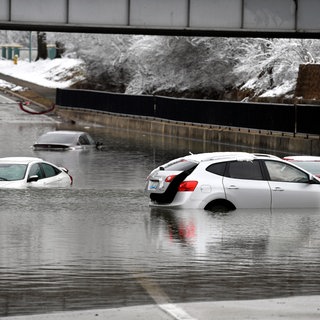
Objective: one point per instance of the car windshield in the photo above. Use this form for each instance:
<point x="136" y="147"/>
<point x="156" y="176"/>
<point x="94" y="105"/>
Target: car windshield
<point x="12" y="172"/>
<point x="58" y="138"/>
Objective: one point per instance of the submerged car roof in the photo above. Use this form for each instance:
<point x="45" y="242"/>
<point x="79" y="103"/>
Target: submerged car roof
<point x="65" y="132"/>
<point x="60" y="137"/>
<point x="23" y="160"/>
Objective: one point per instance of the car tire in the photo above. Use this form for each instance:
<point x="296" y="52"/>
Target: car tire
<point x="220" y="206"/>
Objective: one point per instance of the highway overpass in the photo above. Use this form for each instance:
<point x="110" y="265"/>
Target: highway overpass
<point x="240" y="18"/>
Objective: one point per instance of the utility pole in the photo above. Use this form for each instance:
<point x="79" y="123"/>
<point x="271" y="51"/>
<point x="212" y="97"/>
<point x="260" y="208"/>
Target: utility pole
<point x="30" y="46"/>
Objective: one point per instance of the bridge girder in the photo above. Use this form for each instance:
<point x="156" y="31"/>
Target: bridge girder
<point x="211" y="18"/>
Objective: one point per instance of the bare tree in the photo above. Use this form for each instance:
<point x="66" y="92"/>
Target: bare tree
<point x="42" y="45"/>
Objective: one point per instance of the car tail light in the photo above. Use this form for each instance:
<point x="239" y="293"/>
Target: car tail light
<point x="67" y="172"/>
<point x="170" y="178"/>
<point x="71" y="180"/>
<point x="187" y="186"/>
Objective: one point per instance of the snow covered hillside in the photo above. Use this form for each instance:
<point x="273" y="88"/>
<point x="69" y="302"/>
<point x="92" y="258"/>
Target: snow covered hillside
<point x="57" y="73"/>
<point x="207" y="68"/>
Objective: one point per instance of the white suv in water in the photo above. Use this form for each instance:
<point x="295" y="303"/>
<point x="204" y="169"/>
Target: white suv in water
<point x="232" y="180"/>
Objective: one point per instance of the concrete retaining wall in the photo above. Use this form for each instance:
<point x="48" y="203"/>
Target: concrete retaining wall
<point x="267" y="141"/>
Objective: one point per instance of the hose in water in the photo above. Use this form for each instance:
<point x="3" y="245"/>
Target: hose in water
<point x="35" y="112"/>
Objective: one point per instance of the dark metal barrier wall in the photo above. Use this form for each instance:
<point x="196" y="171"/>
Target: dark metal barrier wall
<point x="264" y="116"/>
<point x="104" y="101"/>
<point x="236" y="114"/>
<point x="308" y="119"/>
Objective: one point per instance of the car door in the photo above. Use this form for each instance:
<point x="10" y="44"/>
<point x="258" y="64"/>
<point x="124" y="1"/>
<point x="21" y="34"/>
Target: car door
<point x="35" y="170"/>
<point x="245" y="186"/>
<point x="291" y="187"/>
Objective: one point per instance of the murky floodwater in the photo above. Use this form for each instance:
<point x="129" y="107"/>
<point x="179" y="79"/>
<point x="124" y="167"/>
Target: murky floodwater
<point x="99" y="245"/>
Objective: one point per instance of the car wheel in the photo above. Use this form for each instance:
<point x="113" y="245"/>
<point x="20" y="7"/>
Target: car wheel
<point x="220" y="206"/>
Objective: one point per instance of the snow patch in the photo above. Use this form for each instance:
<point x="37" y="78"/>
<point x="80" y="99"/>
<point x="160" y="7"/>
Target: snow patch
<point x="280" y="90"/>
<point x="56" y="73"/>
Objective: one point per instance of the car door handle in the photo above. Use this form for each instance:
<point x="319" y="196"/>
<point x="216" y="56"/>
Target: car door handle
<point x="232" y="186"/>
<point x="278" y="189"/>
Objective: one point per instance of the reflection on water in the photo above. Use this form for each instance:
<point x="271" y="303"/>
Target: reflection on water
<point x="241" y="254"/>
<point x="264" y="232"/>
<point x="83" y="247"/>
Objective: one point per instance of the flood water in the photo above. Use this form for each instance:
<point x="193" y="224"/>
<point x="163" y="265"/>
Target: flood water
<point x="99" y="245"/>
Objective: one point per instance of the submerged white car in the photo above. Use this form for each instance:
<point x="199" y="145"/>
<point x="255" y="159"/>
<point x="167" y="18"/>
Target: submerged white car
<point x="23" y="172"/>
<point x="232" y="180"/>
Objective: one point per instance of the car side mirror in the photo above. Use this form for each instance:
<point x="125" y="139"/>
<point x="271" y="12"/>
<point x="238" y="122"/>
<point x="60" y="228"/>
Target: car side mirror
<point x="313" y="180"/>
<point x="99" y="145"/>
<point x="33" y="178"/>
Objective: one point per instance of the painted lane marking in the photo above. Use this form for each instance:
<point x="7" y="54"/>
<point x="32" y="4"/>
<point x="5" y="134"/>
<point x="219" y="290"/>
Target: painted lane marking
<point x="175" y="311"/>
<point x="161" y="298"/>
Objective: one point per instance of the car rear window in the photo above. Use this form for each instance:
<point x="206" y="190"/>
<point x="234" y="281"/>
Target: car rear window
<point x="49" y="170"/>
<point x="181" y="165"/>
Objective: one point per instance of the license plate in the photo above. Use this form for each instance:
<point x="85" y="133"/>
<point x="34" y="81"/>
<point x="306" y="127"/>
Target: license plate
<point x="153" y="185"/>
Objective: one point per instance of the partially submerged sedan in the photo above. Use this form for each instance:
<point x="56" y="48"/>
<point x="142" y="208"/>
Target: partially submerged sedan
<point x="232" y="180"/>
<point x="23" y="172"/>
<point x="62" y="140"/>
